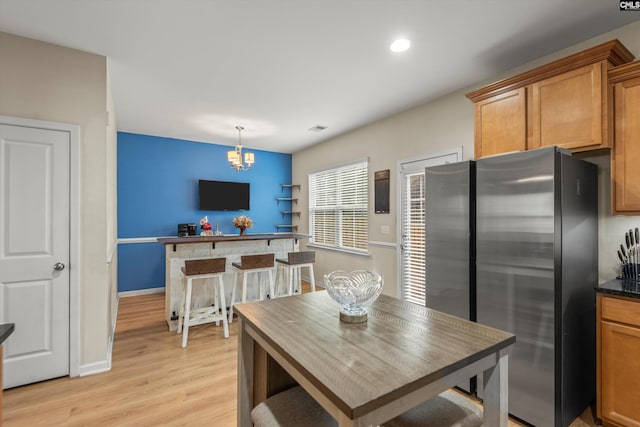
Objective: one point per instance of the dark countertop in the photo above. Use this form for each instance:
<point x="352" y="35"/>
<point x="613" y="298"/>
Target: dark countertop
<point x="5" y="331"/>
<point x="620" y="287"/>
<point x="230" y="238"/>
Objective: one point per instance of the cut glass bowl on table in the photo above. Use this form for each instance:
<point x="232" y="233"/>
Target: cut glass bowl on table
<point x="354" y="291"/>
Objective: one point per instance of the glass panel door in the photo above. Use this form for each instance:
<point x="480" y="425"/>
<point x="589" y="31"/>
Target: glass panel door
<point x="412" y="223"/>
<point x="412" y="237"/>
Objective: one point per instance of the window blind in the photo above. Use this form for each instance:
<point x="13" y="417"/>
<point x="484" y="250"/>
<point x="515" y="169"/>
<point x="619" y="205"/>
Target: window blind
<point x="338" y="207"/>
<point x="413" y="233"/>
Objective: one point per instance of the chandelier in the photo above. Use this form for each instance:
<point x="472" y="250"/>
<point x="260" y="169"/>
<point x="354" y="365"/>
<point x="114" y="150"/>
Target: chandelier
<point x="235" y="156"/>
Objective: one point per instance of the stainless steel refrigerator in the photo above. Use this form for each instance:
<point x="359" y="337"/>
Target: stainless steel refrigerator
<point x="450" y="242"/>
<point x="536" y="262"/>
<point x="536" y="270"/>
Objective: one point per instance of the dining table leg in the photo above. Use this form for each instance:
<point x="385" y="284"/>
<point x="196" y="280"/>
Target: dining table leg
<point x="344" y="421"/>
<point x="496" y="391"/>
<point x="245" y="376"/>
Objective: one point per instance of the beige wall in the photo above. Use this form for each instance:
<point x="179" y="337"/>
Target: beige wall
<point x="430" y="128"/>
<point x="112" y="208"/>
<point x="48" y="82"/>
<point x="442" y="124"/>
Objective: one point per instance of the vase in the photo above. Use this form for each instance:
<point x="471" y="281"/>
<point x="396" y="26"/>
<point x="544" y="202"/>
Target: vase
<point x="242" y="230"/>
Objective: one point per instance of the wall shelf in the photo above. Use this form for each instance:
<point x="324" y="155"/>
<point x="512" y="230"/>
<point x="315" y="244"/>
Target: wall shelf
<point x="291" y="226"/>
<point x="288" y="209"/>
<point x="292" y="186"/>
<point x="290" y="213"/>
<point x="287" y="199"/>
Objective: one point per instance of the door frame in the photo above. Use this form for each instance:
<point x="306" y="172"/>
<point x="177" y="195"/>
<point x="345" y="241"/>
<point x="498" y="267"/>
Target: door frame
<point x="450" y="151"/>
<point x="74" y="227"/>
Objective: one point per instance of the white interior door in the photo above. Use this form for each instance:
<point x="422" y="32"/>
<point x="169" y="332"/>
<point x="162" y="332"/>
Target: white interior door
<point x="412" y="222"/>
<point x="34" y="252"/>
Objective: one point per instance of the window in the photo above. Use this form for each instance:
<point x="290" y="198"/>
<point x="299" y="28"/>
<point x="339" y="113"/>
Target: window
<point x="338" y="207"/>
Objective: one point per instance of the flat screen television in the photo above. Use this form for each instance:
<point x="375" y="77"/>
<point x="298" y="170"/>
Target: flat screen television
<point x="223" y="196"/>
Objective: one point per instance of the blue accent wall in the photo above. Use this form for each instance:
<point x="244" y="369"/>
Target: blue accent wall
<point x="158" y="189"/>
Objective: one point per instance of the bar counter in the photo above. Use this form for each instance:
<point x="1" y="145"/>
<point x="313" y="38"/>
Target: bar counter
<point x="179" y="249"/>
<point x="230" y="238"/>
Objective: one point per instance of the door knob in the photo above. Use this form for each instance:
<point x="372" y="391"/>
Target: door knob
<point x="58" y="266"/>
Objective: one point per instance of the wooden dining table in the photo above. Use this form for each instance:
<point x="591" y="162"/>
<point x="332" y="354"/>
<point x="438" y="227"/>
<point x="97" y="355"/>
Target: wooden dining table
<point x="364" y="374"/>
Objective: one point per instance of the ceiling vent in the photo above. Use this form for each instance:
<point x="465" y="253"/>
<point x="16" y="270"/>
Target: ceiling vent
<point x="317" y="128"/>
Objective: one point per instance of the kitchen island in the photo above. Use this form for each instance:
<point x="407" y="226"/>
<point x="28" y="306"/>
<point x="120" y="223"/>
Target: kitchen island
<point x="179" y="249"/>
<point x="618" y="352"/>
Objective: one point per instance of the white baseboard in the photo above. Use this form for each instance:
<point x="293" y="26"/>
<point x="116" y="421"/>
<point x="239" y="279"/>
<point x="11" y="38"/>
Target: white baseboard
<point x="103" y="365"/>
<point x="95" y="368"/>
<point x="112" y="336"/>
<point x="138" y="292"/>
<point x="319" y="284"/>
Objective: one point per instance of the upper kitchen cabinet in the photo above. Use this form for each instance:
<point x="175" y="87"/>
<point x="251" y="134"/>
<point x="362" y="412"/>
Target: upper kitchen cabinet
<point x="625" y="158"/>
<point x="564" y="103"/>
<point x="500" y="124"/>
<point x="567" y="110"/>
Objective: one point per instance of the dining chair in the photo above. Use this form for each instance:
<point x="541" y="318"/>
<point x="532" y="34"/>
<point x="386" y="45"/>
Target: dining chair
<point x="212" y="268"/>
<point x="291" y="269"/>
<point x="295" y="407"/>
<point x="291" y="408"/>
<point x="251" y="264"/>
<point x="448" y="409"/>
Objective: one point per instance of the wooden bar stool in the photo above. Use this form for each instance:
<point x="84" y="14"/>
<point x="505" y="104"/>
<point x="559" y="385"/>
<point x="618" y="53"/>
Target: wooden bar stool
<point x="262" y="263"/>
<point x="292" y="267"/>
<point x="203" y="269"/>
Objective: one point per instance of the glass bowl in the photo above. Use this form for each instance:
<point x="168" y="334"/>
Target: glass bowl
<point x="354" y="291"/>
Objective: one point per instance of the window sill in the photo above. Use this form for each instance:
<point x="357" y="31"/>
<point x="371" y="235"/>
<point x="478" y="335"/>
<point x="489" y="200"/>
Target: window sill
<point x="332" y="248"/>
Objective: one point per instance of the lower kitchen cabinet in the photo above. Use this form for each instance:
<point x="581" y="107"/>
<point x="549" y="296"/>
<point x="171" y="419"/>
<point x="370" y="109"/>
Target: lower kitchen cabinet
<point x="5" y="331"/>
<point x="1" y="385"/>
<point x="618" y="361"/>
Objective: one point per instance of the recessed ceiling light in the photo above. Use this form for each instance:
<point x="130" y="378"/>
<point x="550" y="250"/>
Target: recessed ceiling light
<point x="400" y="45"/>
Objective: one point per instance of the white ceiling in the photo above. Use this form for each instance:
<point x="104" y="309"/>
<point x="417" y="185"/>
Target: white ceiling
<point x="195" y="69"/>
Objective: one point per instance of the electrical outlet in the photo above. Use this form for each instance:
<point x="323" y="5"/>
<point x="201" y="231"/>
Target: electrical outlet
<point x="384" y="229"/>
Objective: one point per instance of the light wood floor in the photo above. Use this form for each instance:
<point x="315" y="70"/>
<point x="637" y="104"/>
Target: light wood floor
<point x="153" y="381"/>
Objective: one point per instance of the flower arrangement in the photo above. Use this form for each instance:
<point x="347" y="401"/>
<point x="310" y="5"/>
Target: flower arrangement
<point x="206" y="227"/>
<point x="242" y="222"/>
